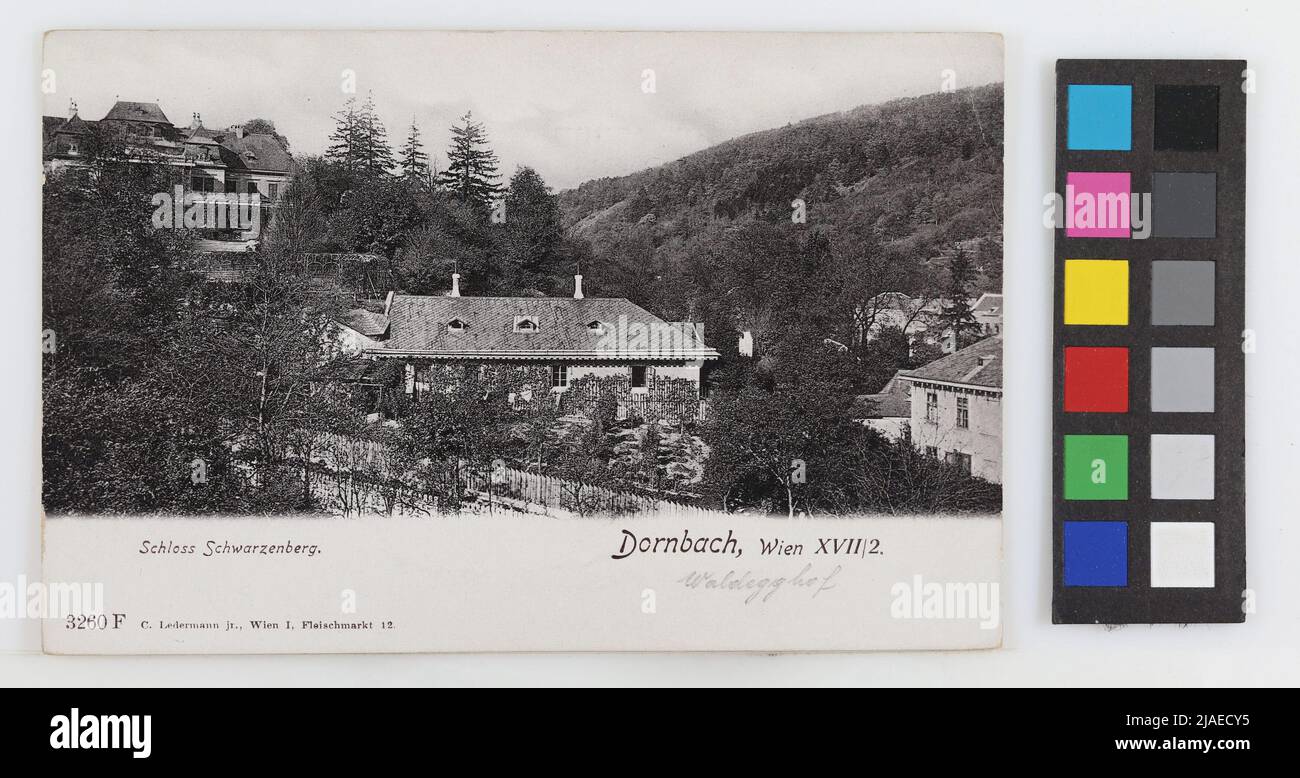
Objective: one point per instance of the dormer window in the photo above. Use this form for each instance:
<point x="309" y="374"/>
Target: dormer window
<point x="526" y="324"/>
<point x="456" y="325"/>
<point x="596" y="326"/>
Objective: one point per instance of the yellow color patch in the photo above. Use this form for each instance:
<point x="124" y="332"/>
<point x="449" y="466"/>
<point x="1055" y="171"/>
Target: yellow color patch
<point x="1096" y="291"/>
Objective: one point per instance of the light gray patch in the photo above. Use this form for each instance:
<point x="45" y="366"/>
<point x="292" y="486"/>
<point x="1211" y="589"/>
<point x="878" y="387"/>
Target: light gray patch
<point x="1182" y="380"/>
<point x="1182" y="467"/>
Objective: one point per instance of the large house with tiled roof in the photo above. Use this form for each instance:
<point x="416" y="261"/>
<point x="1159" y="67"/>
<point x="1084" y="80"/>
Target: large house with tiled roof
<point x="218" y="161"/>
<point x="956" y="408"/>
<point x="571" y="337"/>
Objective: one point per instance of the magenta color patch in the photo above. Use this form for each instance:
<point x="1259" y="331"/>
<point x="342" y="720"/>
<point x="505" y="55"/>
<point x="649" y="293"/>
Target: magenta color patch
<point x="1098" y="204"/>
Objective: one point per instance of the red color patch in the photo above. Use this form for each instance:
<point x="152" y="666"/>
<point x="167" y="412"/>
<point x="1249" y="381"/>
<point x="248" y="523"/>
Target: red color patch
<point x="1096" y="380"/>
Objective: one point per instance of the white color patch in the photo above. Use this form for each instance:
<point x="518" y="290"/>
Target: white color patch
<point x="1182" y="554"/>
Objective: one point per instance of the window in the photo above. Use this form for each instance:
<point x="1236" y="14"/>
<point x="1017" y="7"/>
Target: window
<point x="639" y="377"/>
<point x="932" y="452"/>
<point x="595" y="326"/>
<point x="932" y="406"/>
<point x="559" y="376"/>
<point x="455" y="325"/>
<point x="272" y="191"/>
<point x="252" y="187"/>
<point x="203" y="184"/>
<point x="960" y="461"/>
<point x="409" y="375"/>
<point x="232" y="187"/>
<point x="963" y="412"/>
<point x="72" y="147"/>
<point x="526" y="324"/>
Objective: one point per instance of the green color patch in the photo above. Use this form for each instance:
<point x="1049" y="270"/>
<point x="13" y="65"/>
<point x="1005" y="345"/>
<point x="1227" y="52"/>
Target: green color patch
<point x="1096" y="467"/>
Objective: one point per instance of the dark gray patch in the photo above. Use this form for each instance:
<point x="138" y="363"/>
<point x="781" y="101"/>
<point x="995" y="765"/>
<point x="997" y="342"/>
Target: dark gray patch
<point x="1183" y="205"/>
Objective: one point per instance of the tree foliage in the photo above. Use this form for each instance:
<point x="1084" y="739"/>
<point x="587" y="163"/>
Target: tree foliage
<point x="471" y="173"/>
<point x="532" y="237"/>
<point x="412" y="159"/>
<point x="265" y="127"/>
<point x="359" y="142"/>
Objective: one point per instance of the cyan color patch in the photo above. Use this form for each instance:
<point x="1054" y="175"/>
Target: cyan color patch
<point x="1096" y="553"/>
<point x="1100" y="117"/>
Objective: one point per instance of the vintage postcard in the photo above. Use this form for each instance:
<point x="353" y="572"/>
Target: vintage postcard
<point x="521" y="341"/>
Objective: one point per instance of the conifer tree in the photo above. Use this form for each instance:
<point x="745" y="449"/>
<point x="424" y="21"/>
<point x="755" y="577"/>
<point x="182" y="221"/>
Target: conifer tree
<point x="957" y="315"/>
<point x="374" y="155"/>
<point x="414" y="162"/>
<point x="345" y="140"/>
<point x="471" y="173"/>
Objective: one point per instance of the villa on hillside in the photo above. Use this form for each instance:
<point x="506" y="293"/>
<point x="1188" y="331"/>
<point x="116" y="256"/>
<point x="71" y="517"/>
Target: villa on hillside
<point x="229" y="161"/>
<point x="564" y="339"/>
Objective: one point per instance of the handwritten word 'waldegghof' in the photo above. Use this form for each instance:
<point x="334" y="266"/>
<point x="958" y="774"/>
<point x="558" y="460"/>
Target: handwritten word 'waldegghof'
<point x="759" y="586"/>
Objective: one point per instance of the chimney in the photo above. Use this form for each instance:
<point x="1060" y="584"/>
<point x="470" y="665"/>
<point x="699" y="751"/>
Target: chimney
<point x="577" y="287"/>
<point x="388" y="303"/>
<point x="455" y="285"/>
<point x="196" y="121"/>
<point x="72" y="108"/>
<point x="237" y="130"/>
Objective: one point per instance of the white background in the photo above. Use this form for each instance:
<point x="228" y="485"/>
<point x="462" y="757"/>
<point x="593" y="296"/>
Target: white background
<point x="1263" y="651"/>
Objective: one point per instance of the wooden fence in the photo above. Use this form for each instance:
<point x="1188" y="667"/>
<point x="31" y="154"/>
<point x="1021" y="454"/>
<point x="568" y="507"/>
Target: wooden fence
<point x="356" y="476"/>
<point x="561" y="496"/>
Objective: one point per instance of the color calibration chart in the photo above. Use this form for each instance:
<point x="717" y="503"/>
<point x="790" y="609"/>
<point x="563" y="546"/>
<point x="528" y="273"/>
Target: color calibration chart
<point x="1149" y="404"/>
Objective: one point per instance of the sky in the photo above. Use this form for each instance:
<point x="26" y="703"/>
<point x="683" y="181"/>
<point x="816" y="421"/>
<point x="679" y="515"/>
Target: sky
<point x="573" y="105"/>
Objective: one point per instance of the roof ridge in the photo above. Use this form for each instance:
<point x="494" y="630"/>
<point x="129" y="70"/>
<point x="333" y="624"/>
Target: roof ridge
<point x="510" y="297"/>
<point x="419" y="324"/>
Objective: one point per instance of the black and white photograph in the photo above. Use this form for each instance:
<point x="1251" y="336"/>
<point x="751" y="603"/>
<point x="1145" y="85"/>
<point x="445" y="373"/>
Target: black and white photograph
<point x="563" y="275"/>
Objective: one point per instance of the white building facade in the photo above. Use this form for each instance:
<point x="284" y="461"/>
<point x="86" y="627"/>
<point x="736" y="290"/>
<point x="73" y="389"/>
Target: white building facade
<point x="956" y="413"/>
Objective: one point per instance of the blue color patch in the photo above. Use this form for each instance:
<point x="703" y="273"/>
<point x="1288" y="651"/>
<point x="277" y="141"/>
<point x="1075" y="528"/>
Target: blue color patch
<point x="1100" y="117"/>
<point x="1096" y="553"/>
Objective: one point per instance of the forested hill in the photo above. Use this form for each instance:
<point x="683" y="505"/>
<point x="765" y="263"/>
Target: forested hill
<point x="891" y="188"/>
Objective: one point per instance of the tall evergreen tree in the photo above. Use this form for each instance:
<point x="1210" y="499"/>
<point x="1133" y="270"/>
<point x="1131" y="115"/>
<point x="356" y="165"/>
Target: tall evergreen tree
<point x="375" y="155"/>
<point x="346" y="141"/>
<point x="957" y="314"/>
<point x="413" y="161"/>
<point x="471" y="173"/>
